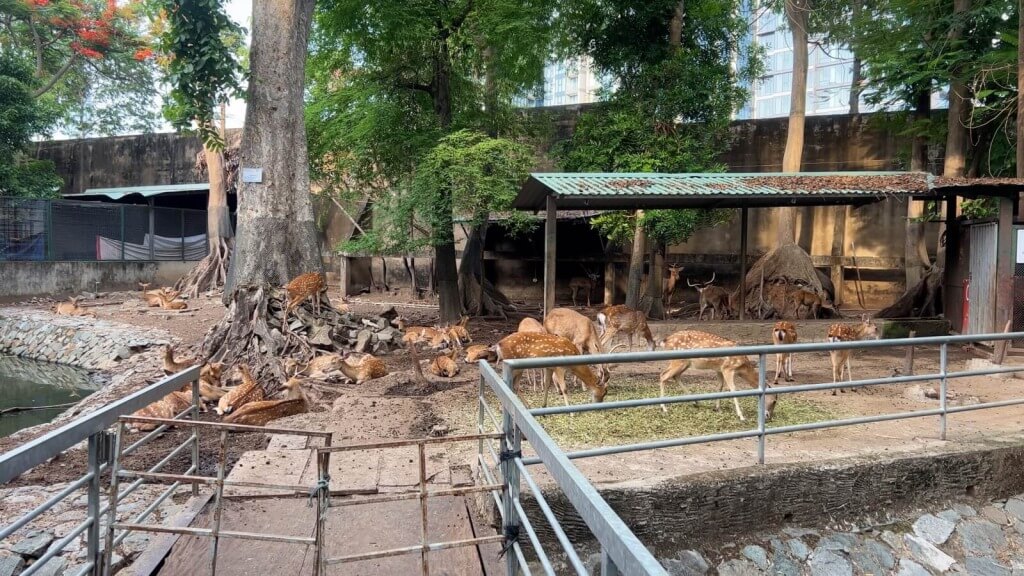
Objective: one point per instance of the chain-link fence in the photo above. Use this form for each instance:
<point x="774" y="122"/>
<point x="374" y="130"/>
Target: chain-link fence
<point x="68" y="230"/>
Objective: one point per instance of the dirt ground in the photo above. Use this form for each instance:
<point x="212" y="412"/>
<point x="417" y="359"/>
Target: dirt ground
<point x="396" y="406"/>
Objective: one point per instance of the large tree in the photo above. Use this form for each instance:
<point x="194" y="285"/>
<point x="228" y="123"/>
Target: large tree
<point x="22" y="117"/>
<point x="392" y="80"/>
<point x="798" y="18"/>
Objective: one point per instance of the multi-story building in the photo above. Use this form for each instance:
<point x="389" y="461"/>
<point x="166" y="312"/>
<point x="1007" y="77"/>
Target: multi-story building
<point x="565" y="82"/>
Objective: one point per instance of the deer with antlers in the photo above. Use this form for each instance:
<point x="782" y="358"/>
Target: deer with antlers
<point x="727" y="369"/>
<point x="539" y="345"/>
<point x="670" y="283"/>
<point x="621" y="318"/>
<point x="586" y="284"/>
<point x="866" y="330"/>
<point x="784" y="333"/>
<point x="714" y="297"/>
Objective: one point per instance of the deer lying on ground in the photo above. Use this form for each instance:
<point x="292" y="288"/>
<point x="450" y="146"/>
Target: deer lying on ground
<point x="670" y="283"/>
<point x="319" y="367"/>
<point x="209" y="375"/>
<point x="363" y="369"/>
<point x="152" y="297"/>
<point x="435" y="338"/>
<point x="727" y="369"/>
<point x="866" y="330"/>
<point x="445" y="365"/>
<point x="169" y="301"/>
<point x="478" y="352"/>
<point x="574" y="326"/>
<point x="586" y="284"/>
<point x="167" y="407"/>
<point x="458" y="333"/>
<point x="71" y="308"/>
<point x="248" y="391"/>
<point x="261" y="412"/>
<point x="308" y="285"/>
<point x="622" y="318"/>
<point x="784" y="333"/>
<point x="539" y="345"/>
<point x="714" y="297"/>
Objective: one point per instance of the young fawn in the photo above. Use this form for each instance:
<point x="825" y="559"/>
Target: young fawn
<point x="169" y="301"/>
<point x="539" y="345"/>
<point x="261" y="412"/>
<point x="209" y="375"/>
<point x="435" y="338"/>
<point x="308" y="285"/>
<point x="866" y="330"/>
<point x="363" y="370"/>
<point x="458" y="332"/>
<point x="478" y="352"/>
<point x="445" y="365"/>
<point x="727" y="369"/>
<point x="167" y="407"/>
<point x="622" y="318"/>
<point x="784" y="333"/>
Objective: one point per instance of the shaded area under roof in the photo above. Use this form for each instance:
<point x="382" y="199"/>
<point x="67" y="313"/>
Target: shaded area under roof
<point x="619" y="191"/>
<point x="144" y="191"/>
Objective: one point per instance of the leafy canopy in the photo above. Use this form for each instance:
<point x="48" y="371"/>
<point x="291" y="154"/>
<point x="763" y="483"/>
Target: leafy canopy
<point x="21" y="116"/>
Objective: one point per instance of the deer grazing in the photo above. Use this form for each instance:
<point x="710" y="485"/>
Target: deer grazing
<point x="259" y="413"/>
<point x="670" y="283"/>
<point x="445" y="365"/>
<point x="248" y="391"/>
<point x="866" y="330"/>
<point x="308" y="285"/>
<point x="71" y="308"/>
<point x="586" y="284"/>
<point x="784" y="333"/>
<point x="714" y="297"/>
<point x="574" y="326"/>
<point x="478" y="352"/>
<point x="539" y="345"/>
<point x="363" y="369"/>
<point x="621" y="318"/>
<point x="727" y="369"/>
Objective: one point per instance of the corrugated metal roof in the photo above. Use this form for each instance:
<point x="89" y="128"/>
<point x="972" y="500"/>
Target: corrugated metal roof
<point x="144" y="191"/>
<point x="723" y="190"/>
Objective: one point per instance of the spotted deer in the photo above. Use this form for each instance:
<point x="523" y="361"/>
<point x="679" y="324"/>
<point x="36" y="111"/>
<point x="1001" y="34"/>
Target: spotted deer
<point x="308" y="285"/>
<point x="784" y="333"/>
<point x="210" y="389"/>
<point x="363" y="369"/>
<point x="248" y="391"/>
<point x="71" y="308"/>
<point x="318" y="368"/>
<point x="260" y="412"/>
<point x="458" y="332"/>
<point x="804" y="298"/>
<point x="621" y="318"/>
<point x="445" y="365"/>
<point x="670" y="283"/>
<point x="574" y="326"/>
<point x="866" y="330"/>
<point x="530" y="325"/>
<point x="540" y="345"/>
<point x="586" y="283"/>
<point x="167" y="407"/>
<point x="714" y="297"/>
<point x="727" y="369"/>
<point x="478" y="352"/>
<point x="435" y="338"/>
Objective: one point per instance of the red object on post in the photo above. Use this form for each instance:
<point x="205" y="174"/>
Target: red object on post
<point x="967" y="306"/>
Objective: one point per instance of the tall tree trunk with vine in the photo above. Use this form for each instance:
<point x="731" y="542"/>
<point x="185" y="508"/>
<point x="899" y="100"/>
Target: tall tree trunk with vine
<point x="277" y="238"/>
<point x="797" y="12"/>
<point x="445" y="268"/>
<point x="916" y="249"/>
<point x="656" y="309"/>
<point x="211" y="272"/>
<point x="959" y="107"/>
<point x="636" y="263"/>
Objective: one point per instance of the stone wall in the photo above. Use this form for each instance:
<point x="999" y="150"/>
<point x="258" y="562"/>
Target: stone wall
<point x="83" y="342"/>
<point x="57" y="278"/>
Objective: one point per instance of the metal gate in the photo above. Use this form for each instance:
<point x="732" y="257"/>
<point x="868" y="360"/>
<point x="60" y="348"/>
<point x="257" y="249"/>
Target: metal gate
<point x="982" y="291"/>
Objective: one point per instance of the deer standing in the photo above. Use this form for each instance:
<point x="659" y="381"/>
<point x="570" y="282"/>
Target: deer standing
<point x="622" y="318"/>
<point x="539" y="345"/>
<point x="804" y="298"/>
<point x="587" y="283"/>
<point x="531" y="325"/>
<point x="574" y="326"/>
<point x="714" y="297"/>
<point x="261" y="412"/>
<point x="308" y="285"/>
<point x="866" y="330"/>
<point x="784" y="333"/>
<point x="71" y="308"/>
<point x="670" y="283"/>
<point x="726" y="368"/>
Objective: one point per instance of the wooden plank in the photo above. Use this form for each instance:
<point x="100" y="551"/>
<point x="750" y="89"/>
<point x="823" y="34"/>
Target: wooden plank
<point x="351" y="472"/>
<point x="149" y="561"/>
<point x="277" y="467"/>
<point x="490" y="562"/>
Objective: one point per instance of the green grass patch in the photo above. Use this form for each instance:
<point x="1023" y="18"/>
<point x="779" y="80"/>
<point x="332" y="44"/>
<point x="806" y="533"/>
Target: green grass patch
<point x="630" y="425"/>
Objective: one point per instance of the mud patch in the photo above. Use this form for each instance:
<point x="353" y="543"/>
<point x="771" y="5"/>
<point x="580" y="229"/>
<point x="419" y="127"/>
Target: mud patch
<point x="413" y="388"/>
<point x="424" y="422"/>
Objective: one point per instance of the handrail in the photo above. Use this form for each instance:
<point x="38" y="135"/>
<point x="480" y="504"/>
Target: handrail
<point x="39" y="450"/>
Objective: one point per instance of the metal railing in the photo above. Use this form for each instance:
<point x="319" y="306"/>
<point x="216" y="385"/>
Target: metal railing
<point x="93" y="429"/>
<point x="621" y="551"/>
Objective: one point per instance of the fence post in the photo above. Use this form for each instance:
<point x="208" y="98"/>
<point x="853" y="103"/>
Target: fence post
<point x="943" y="363"/>
<point x="123" y="225"/>
<point x="761" y="387"/>
<point x="97" y="457"/>
<point x="115" y="464"/>
<point x="152" y="231"/>
<point x="49" y="230"/>
<point x="510" y="445"/>
<point x="197" y="403"/>
<point x="479" y="418"/>
<point x="182" y="234"/>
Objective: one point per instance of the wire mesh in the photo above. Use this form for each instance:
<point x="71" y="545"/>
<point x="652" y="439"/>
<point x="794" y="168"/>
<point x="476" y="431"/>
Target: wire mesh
<point x="1018" y="304"/>
<point x="62" y="230"/>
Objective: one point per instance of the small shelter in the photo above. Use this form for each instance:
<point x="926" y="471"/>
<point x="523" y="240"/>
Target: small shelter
<point x="629" y="191"/>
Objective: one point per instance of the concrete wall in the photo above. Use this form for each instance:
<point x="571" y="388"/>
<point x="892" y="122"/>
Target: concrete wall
<point x="56" y="278"/>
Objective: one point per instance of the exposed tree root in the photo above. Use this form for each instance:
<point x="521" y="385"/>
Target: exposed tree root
<point x="210" y="273"/>
<point x="774" y="282"/>
<point x="923" y="300"/>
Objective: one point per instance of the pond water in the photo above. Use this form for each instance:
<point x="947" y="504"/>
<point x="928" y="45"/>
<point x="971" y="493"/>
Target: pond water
<point x="27" y="383"/>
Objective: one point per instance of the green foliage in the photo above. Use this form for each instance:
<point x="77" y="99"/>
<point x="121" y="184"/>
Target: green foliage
<point x="979" y="208"/>
<point x="21" y="116"/>
<point x="665" y="227"/>
<point x="203" y="68"/>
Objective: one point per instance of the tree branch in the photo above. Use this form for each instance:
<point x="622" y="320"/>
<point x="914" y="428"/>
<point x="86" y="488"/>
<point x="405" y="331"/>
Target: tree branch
<point x="457" y="22"/>
<point x="55" y="78"/>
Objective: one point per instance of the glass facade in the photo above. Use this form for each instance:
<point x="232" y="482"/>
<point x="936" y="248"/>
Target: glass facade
<point x="565" y="82"/>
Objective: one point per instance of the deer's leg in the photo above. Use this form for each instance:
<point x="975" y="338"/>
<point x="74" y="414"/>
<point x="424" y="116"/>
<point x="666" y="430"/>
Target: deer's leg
<point x="789" y="367"/>
<point x="730" y="381"/>
<point x="674" y="370"/>
<point x="836" y="364"/>
<point x="559" y="377"/>
<point x="849" y="371"/>
<point x="546" y="384"/>
<point x="629" y="338"/>
<point x="779" y="364"/>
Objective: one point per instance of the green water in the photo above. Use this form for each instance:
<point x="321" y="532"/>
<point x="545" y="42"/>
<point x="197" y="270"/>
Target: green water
<point x="30" y="383"/>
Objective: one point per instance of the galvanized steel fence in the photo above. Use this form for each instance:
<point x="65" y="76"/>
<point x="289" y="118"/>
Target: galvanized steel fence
<point x="621" y="551"/>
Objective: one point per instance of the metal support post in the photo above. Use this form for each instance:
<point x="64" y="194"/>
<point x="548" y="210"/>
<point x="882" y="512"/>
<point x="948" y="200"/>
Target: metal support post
<point x="421" y="450"/>
<point x="197" y="402"/>
<point x="219" y="501"/>
<point x="92" y="534"/>
<point x="608" y="567"/>
<point x="115" y="485"/>
<point x="510" y="448"/>
<point x="480" y="417"/>
<point x="761" y="387"/>
<point x="123" y="230"/>
<point x="183" y="235"/>
<point x="943" y="369"/>
<point x="49" y="230"/>
<point x="152" y="231"/>
<point x="322" y="504"/>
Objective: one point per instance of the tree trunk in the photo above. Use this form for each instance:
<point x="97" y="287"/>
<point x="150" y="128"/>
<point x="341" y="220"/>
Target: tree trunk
<point x="855" y="80"/>
<point x="636" y="264"/>
<point x="478" y="295"/>
<point x="916" y="249"/>
<point x="654" y="282"/>
<point x="445" y="267"/>
<point x="1020" y="90"/>
<point x="837" y="269"/>
<point x="675" y="26"/>
<point x="796" y="14"/>
<point x="959" y="109"/>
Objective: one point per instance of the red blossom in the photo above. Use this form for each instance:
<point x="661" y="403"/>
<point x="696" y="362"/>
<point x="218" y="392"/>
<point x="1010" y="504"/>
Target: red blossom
<point x="143" y="53"/>
<point x="86" y="51"/>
